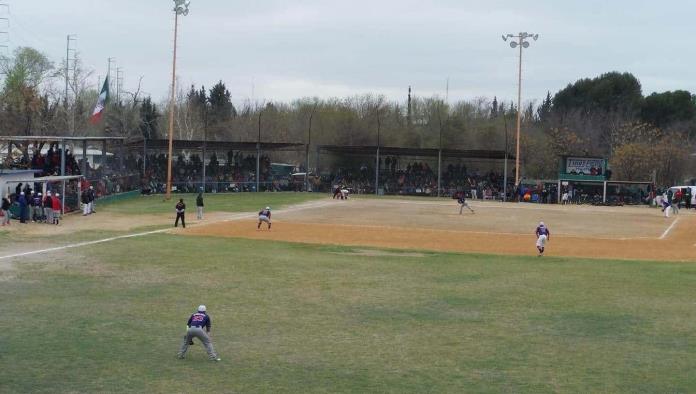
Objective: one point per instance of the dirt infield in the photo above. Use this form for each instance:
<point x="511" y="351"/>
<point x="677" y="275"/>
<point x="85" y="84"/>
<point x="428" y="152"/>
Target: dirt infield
<point x="576" y="231"/>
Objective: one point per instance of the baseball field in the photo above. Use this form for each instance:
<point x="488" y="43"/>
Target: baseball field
<point x="364" y="295"/>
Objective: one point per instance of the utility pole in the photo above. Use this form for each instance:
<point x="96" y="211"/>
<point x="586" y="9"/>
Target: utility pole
<point x="119" y="84"/>
<point x="439" y="152"/>
<point x="521" y="42"/>
<point x="108" y="71"/>
<point x="68" y="51"/>
<point x="379" y="129"/>
<point x="309" y="142"/>
<point x="258" y="153"/>
<point x="4" y="29"/>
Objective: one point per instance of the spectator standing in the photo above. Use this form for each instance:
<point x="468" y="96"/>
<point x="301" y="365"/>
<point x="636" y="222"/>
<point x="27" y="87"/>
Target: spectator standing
<point x="180" y="212"/>
<point x="22" y="208"/>
<point x="84" y="198"/>
<point x="37" y="207"/>
<point x="48" y="208"/>
<point x="5" y="208"/>
<point x="199" y="205"/>
<point x="92" y="197"/>
<point x="57" y="209"/>
<point x="687" y="198"/>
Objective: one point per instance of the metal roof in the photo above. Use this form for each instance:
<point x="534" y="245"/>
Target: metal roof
<point x="421" y="152"/>
<point x="13" y="138"/>
<point x="46" y="179"/>
<point x="161" y="144"/>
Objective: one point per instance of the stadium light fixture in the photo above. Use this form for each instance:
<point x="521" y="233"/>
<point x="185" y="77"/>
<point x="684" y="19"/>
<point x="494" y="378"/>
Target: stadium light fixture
<point x="522" y="41"/>
<point x="181" y="7"/>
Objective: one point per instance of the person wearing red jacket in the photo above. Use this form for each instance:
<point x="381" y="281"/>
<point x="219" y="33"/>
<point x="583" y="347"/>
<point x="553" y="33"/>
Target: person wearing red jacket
<point x="48" y="208"/>
<point x="57" y="208"/>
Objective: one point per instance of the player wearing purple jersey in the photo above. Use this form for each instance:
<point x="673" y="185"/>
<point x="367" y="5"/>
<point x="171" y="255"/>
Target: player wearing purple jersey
<point x="543" y="235"/>
<point x="264" y="216"/>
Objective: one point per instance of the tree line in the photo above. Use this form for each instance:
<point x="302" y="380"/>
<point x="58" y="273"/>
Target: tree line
<point x="605" y="116"/>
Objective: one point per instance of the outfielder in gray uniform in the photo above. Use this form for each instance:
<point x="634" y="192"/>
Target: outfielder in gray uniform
<point x="194" y="329"/>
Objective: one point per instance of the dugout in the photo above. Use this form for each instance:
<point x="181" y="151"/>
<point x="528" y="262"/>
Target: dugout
<point x="490" y="159"/>
<point x="69" y="187"/>
<point x="69" y="158"/>
<point x="588" y="180"/>
<point x="207" y="148"/>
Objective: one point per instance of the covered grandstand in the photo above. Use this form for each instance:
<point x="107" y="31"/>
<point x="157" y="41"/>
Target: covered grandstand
<point x="448" y="173"/>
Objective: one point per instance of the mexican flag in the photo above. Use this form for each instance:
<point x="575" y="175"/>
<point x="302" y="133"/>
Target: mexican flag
<point x="101" y="103"/>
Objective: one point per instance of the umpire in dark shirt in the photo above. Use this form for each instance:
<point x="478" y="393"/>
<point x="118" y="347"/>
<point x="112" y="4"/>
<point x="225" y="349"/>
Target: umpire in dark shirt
<point x="195" y="329"/>
<point x="180" y="211"/>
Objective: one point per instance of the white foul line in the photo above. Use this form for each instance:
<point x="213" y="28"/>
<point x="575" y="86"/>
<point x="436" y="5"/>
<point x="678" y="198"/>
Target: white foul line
<point x="669" y="228"/>
<point x="79" y="244"/>
<point x="87" y="243"/>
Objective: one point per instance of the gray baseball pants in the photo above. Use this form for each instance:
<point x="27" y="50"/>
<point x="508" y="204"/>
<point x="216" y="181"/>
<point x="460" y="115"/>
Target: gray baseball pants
<point x="48" y="212"/>
<point x="197" y="332"/>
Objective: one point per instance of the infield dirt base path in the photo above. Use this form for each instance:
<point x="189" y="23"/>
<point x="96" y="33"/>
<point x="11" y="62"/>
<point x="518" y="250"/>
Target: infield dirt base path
<point x="676" y="245"/>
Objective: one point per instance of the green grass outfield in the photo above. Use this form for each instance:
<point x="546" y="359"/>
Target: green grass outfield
<point x="305" y="318"/>
<point x="228" y="202"/>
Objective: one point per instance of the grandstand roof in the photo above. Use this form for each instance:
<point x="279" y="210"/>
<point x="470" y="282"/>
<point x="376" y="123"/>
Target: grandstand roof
<point x="46" y="138"/>
<point x="52" y="178"/>
<point x="416" y="152"/>
<point x="162" y="144"/>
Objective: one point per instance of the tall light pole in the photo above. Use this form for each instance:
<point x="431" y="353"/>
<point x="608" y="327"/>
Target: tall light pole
<point x="258" y="154"/>
<point x="439" y="149"/>
<point x="521" y="41"/>
<point x="379" y="129"/>
<point x="309" y="142"/>
<point x="181" y="7"/>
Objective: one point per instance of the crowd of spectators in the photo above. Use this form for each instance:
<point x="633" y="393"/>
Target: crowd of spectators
<point x="236" y="172"/>
<point x="48" y="163"/>
<point x="420" y="178"/>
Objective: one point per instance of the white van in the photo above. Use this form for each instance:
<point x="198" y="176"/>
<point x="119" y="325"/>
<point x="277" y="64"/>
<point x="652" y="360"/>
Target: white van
<point x="693" y="192"/>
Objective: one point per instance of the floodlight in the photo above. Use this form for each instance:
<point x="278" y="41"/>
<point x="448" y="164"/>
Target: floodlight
<point x="513" y="44"/>
<point x="525" y="44"/>
<point x="535" y="37"/>
<point x="504" y="37"/>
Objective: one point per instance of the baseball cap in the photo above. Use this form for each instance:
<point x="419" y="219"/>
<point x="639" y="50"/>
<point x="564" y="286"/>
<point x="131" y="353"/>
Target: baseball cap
<point x="541" y="223"/>
<point x="269" y="208"/>
<point x="201" y="308"/>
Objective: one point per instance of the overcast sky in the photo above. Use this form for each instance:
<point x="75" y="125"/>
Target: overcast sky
<point x="282" y="50"/>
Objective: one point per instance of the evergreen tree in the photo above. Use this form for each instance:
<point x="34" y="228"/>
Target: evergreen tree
<point x="544" y="109"/>
<point x="148" y="119"/>
<point x="221" y="108"/>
